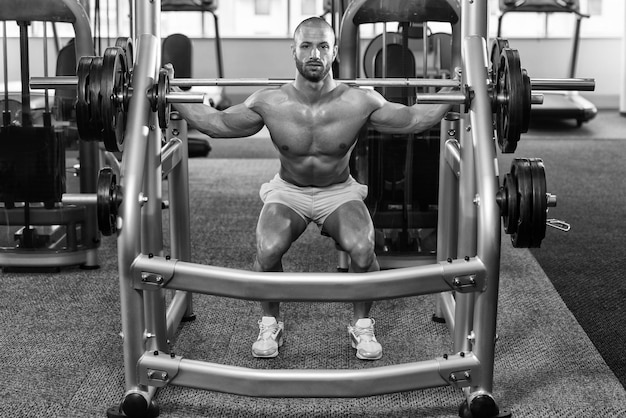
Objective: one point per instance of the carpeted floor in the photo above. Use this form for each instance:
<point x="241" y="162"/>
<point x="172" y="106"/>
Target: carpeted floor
<point x="62" y="351"/>
<point x="585" y="169"/>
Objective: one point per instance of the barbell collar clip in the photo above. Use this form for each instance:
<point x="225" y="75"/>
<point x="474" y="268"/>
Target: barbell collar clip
<point x="558" y="224"/>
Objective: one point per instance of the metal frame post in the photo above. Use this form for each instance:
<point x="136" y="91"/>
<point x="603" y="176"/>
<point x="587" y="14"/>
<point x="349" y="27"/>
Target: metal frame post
<point x="129" y="235"/>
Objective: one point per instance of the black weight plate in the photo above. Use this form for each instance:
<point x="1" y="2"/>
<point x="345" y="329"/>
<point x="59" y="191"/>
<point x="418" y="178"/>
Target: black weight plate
<point x="95" y="99"/>
<point x="82" y="99"/>
<point x="107" y="201"/>
<point x="527" y="92"/>
<point x="127" y="45"/>
<point x="522" y="173"/>
<point x="511" y="216"/>
<point x="163" y="108"/>
<point x="509" y="107"/>
<point x="496" y="50"/>
<point x="113" y="83"/>
<point x="540" y="202"/>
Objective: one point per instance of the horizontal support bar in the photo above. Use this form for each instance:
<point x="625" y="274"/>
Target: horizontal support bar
<point x="459" y="275"/>
<point x="42" y="216"/>
<point x="21" y="257"/>
<point x="574" y="84"/>
<point x="159" y="370"/>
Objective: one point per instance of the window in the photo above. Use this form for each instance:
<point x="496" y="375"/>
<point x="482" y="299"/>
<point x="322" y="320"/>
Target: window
<point x="605" y="20"/>
<point x="278" y="18"/>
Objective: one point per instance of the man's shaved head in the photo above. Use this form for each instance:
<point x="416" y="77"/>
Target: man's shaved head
<point x="313" y="22"/>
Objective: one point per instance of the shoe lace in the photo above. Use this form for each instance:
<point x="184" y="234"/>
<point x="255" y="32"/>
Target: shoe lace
<point x="366" y="333"/>
<point x="267" y="330"/>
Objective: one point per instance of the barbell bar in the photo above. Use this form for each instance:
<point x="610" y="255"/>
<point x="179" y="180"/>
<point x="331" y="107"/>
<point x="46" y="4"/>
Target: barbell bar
<point x="71" y="81"/>
<point x="574" y="84"/>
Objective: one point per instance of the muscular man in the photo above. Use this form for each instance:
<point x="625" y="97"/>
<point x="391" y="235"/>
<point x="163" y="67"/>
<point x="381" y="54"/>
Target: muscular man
<point x="313" y="122"/>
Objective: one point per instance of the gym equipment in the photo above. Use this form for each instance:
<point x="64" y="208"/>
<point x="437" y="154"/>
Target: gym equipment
<point x="524" y="201"/>
<point x="103" y="95"/>
<point x="33" y="175"/>
<point x="107" y="199"/>
<point x="104" y="91"/>
<point x="558" y="104"/>
<point x="465" y="274"/>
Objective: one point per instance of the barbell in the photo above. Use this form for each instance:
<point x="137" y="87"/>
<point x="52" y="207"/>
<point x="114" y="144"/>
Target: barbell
<point x="104" y="89"/>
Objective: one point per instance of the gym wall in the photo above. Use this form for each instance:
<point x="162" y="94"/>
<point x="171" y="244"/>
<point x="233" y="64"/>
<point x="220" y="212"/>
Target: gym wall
<point x="271" y="58"/>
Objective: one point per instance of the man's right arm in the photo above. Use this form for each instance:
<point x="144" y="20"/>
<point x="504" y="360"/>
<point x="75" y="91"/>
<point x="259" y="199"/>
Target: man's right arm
<point x="236" y="121"/>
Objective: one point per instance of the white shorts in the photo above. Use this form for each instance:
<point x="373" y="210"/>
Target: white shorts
<point x="313" y="204"/>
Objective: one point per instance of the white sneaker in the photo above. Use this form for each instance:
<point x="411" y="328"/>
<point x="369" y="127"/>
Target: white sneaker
<point x="270" y="338"/>
<point x="364" y="340"/>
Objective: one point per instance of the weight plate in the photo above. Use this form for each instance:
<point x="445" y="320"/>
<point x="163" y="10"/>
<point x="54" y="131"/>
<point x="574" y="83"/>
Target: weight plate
<point x="510" y="217"/>
<point x="82" y="99"/>
<point x="496" y="50"/>
<point x="127" y="46"/>
<point x="527" y="91"/>
<point x="540" y="202"/>
<point x="113" y="83"/>
<point x="163" y="108"/>
<point x="107" y="201"/>
<point x="520" y="169"/>
<point x="509" y="100"/>
<point x="95" y="99"/>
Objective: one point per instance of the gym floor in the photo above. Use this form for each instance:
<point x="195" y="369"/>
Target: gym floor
<point x="560" y="322"/>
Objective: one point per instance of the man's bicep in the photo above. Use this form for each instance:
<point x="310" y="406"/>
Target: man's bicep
<point x="391" y="117"/>
<point x="240" y="119"/>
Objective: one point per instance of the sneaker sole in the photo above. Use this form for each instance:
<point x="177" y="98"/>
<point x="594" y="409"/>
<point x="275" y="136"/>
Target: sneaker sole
<point x="272" y="355"/>
<point x="361" y="357"/>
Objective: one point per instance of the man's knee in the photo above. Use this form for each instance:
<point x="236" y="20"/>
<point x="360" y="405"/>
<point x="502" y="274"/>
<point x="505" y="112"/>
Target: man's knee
<point x="362" y="253"/>
<point x="270" y="251"/>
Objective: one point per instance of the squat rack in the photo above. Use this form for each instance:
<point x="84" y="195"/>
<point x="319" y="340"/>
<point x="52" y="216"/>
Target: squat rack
<point x="144" y="273"/>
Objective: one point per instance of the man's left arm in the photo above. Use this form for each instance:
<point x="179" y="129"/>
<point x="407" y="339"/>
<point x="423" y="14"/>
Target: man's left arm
<point x="397" y="118"/>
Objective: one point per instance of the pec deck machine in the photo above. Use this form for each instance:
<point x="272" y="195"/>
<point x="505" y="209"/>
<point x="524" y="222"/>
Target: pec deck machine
<point x="493" y="99"/>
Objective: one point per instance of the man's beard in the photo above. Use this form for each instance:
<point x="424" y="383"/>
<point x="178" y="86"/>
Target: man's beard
<point x="316" y="74"/>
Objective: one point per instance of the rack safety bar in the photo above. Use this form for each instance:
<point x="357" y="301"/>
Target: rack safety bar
<point x="159" y="369"/>
<point x="150" y="272"/>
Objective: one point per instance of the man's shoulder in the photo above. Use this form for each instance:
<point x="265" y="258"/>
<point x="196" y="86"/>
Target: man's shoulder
<point x="364" y="95"/>
<point x="268" y="95"/>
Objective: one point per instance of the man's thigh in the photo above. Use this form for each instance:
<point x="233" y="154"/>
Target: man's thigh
<point x="279" y="222"/>
<point x="349" y="224"/>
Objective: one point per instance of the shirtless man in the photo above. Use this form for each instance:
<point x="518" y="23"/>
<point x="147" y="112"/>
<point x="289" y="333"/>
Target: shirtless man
<point x="313" y="122"/>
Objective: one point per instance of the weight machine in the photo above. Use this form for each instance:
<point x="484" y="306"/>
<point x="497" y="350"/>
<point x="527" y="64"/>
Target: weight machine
<point x="33" y="160"/>
<point x="471" y="202"/>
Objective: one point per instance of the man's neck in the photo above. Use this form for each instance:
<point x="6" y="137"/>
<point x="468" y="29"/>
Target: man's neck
<point x="314" y="88"/>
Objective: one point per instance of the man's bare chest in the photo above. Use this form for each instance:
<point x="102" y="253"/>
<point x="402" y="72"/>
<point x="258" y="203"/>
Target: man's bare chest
<point x="321" y="129"/>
